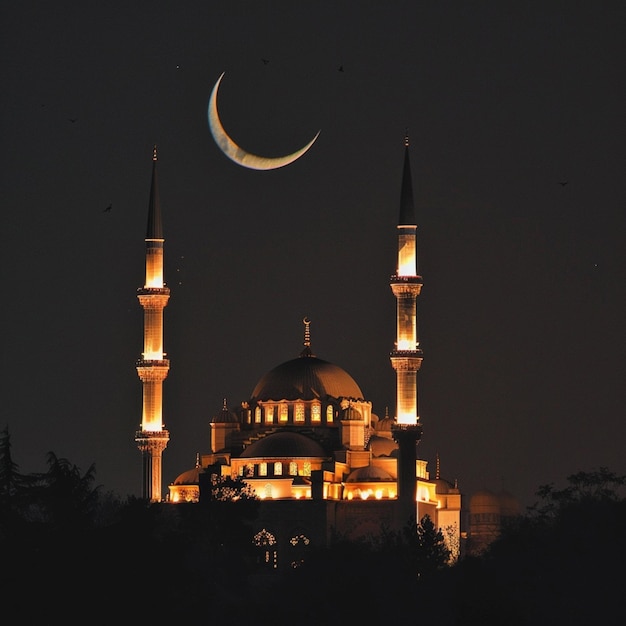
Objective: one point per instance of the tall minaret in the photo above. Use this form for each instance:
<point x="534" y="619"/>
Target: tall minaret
<point x="406" y="358"/>
<point x="153" y="367"/>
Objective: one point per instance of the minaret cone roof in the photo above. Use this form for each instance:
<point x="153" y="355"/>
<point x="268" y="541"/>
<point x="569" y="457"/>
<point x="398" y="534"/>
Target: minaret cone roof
<point x="155" y="222"/>
<point x="407" y="211"/>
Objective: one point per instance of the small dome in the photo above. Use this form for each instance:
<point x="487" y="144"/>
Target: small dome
<point x="225" y="416"/>
<point x="283" y="445"/>
<point x="306" y="378"/>
<point x="190" y="477"/>
<point x="385" y="424"/>
<point x="369" y="474"/>
<point x="441" y="486"/>
<point x="484" y="501"/>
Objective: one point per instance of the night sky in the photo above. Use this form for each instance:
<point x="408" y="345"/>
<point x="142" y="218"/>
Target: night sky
<point x="522" y="312"/>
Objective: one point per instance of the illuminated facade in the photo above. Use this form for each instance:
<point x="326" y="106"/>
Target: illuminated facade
<point x="153" y="367"/>
<point x="307" y="439"/>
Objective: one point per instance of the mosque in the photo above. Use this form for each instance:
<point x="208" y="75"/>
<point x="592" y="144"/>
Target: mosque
<point x="307" y="441"/>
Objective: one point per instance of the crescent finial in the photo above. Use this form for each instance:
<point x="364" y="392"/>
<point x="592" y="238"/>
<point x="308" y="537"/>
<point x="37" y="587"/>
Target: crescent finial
<point x="307" y="332"/>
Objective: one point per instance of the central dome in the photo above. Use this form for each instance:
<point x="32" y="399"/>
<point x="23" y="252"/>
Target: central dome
<point x="306" y="378"/>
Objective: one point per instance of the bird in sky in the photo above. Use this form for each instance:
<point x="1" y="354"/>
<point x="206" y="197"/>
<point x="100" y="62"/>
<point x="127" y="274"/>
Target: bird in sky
<point x="563" y="183"/>
<point x="265" y="61"/>
<point x="108" y="208"/>
<point x="72" y="119"/>
<point x="340" y="68"/>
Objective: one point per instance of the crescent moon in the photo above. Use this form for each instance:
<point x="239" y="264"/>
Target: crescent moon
<point x="237" y="153"/>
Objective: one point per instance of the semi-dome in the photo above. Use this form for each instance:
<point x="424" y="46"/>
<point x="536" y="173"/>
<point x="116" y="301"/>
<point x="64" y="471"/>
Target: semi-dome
<point x="382" y="446"/>
<point x="284" y="445"/>
<point x="369" y="473"/>
<point x="306" y="378"/>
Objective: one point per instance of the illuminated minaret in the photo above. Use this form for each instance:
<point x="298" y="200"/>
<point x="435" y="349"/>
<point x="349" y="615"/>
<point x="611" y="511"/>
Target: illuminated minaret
<point x="406" y="358"/>
<point x="153" y="367"/>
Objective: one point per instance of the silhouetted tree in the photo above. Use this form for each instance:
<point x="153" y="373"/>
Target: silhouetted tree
<point x="12" y="485"/>
<point x="558" y="562"/>
<point x="62" y="498"/>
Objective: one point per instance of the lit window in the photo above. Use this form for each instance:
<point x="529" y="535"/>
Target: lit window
<point x="293" y="468"/>
<point x="316" y="412"/>
<point x="278" y="468"/>
<point x="263" y="469"/>
<point x="269" y="413"/>
<point x="299" y="417"/>
<point x="329" y="413"/>
<point x="284" y="412"/>
<point x="306" y="469"/>
<point x="257" y="415"/>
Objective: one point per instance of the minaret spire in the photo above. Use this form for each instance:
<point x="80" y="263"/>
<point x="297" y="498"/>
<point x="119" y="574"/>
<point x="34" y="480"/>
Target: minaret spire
<point x="406" y="285"/>
<point x="406" y="358"/>
<point x="153" y="367"/>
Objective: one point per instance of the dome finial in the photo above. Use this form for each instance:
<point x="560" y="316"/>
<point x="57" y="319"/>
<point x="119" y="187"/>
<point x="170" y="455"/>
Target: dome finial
<point x="224" y="405"/>
<point x="437" y="475"/>
<point x="197" y="459"/>
<point x="307" y="332"/>
<point x="406" y="137"/>
<point x="154" y="152"/>
<point x="307" y="338"/>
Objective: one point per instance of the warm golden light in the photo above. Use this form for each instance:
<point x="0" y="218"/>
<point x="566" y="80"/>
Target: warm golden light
<point x="407" y="418"/>
<point x="407" y="257"/>
<point x="406" y="344"/>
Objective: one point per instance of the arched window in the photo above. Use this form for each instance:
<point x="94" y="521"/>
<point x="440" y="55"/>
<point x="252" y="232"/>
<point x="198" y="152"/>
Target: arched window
<point x="284" y="412"/>
<point x="278" y="468"/>
<point x="299" y="412"/>
<point x="293" y="468"/>
<point x="263" y="469"/>
<point x="329" y="413"/>
<point x="316" y="412"/>
<point x="257" y="415"/>
<point x="269" y="413"/>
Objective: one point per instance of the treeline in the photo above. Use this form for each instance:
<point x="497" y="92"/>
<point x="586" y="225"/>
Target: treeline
<point x="72" y="552"/>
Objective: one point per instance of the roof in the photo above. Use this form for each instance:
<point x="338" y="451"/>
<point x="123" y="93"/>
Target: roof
<point x="306" y="378"/>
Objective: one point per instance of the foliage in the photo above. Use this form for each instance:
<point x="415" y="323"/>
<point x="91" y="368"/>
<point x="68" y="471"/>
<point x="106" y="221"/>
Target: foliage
<point x="229" y="489"/>
<point x="12" y="482"/>
<point x="62" y="497"/>
<point x="556" y="563"/>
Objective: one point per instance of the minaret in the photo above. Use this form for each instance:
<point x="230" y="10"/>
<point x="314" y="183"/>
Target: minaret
<point x="153" y="367"/>
<point x="406" y="358"/>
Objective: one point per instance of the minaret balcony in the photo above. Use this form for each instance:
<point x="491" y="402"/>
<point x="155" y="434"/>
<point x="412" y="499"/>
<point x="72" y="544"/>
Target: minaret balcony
<point x="417" y="353"/>
<point x="406" y="286"/>
<point x="414" y="280"/>
<point x="153" y="363"/>
<point x="153" y="291"/>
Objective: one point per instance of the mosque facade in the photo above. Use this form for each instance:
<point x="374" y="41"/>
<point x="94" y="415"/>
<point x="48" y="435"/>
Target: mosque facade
<point x="307" y="441"/>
